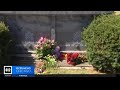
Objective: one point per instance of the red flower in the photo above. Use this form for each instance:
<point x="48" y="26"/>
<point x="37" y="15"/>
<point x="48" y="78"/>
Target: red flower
<point x="74" y="56"/>
<point x="71" y="57"/>
<point x="70" y="62"/>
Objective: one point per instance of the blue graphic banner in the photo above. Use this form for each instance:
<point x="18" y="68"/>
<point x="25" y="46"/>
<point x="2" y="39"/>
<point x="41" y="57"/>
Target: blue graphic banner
<point x="22" y="71"/>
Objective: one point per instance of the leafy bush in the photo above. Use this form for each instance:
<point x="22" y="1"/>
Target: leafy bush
<point x="4" y="43"/>
<point x="51" y="61"/>
<point x="102" y="38"/>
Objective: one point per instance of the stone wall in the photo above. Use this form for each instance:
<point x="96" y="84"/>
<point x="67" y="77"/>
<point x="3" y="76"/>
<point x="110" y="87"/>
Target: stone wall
<point x="65" y="29"/>
<point x="69" y="30"/>
<point x="26" y="29"/>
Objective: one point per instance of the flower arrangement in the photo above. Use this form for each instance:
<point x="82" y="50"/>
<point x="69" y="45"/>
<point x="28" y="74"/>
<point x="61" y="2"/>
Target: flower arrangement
<point x="83" y="57"/>
<point x="49" y="62"/>
<point x="44" y="47"/>
<point x="57" y="52"/>
<point x="71" y="58"/>
<point x="48" y="52"/>
<point x="40" y="67"/>
<point x="75" y="58"/>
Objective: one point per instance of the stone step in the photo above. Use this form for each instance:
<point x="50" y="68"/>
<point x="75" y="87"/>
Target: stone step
<point x="23" y="55"/>
<point x="25" y="60"/>
<point x="24" y="64"/>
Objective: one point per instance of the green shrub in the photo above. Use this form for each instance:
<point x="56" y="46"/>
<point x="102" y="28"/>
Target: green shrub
<point x="102" y="38"/>
<point x="4" y="43"/>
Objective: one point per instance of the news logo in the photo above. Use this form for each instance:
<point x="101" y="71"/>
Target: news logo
<point x="23" y="71"/>
<point x="19" y="71"/>
<point x="7" y="70"/>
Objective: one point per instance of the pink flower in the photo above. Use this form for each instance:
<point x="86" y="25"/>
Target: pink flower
<point x="45" y="40"/>
<point x="39" y="64"/>
<point x="39" y="42"/>
<point x="36" y="46"/>
<point x="41" y="39"/>
<point x="52" y="41"/>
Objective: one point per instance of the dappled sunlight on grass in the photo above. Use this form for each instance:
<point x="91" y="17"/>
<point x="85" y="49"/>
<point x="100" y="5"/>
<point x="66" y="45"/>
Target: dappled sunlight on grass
<point x="70" y="71"/>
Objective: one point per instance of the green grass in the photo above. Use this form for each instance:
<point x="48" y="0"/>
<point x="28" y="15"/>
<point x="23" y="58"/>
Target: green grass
<point x="70" y="71"/>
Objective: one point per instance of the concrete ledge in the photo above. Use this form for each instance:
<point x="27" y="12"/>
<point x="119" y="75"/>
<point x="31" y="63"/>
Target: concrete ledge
<point x="73" y="51"/>
<point x="80" y="67"/>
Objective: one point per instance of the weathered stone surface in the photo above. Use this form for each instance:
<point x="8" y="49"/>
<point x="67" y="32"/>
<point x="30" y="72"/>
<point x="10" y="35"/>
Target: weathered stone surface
<point x="69" y="30"/>
<point x="27" y="29"/>
<point x="54" y="12"/>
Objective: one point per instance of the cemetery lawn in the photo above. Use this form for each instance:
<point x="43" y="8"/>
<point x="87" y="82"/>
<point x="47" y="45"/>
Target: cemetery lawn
<point x="70" y="71"/>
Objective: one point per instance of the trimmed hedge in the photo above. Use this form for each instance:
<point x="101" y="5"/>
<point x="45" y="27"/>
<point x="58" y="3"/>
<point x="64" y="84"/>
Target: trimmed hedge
<point x="102" y="38"/>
